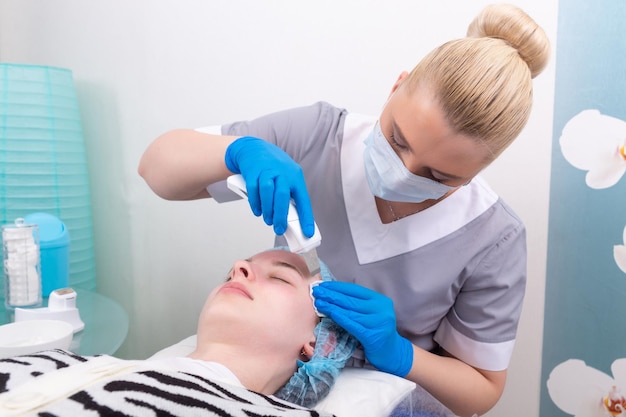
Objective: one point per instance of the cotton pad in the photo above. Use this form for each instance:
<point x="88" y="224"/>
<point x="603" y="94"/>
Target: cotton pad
<point x="314" y="284"/>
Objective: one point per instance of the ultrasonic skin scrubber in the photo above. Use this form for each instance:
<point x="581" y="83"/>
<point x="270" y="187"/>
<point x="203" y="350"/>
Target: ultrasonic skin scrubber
<point x="297" y="242"/>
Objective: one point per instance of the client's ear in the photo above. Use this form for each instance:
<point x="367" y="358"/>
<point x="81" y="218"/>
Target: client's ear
<point x="308" y="349"/>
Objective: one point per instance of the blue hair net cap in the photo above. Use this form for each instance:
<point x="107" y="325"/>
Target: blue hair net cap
<point x="333" y="347"/>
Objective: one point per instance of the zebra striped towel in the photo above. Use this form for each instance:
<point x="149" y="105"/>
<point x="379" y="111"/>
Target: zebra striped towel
<point x="60" y="383"/>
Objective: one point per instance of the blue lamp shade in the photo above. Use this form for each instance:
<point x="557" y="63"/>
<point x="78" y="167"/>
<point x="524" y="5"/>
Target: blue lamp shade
<point x="43" y="167"/>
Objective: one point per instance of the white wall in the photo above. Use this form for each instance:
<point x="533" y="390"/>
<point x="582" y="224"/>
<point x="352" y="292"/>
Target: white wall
<point x="144" y="67"/>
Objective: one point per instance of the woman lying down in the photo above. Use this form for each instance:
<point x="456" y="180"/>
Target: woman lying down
<point x="259" y="339"/>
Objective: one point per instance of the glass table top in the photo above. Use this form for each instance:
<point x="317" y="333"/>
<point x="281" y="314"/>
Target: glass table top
<point x="106" y="323"/>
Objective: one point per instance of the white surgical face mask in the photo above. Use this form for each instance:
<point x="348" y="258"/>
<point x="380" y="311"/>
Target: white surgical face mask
<point x="390" y="180"/>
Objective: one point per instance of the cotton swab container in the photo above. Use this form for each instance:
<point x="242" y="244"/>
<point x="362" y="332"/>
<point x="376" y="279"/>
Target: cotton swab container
<point x="21" y="259"/>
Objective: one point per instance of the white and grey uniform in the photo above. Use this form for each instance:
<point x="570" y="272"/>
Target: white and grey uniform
<point x="455" y="271"/>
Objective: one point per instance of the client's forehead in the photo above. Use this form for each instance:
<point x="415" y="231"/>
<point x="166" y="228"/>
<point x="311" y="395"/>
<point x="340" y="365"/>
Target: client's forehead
<point x="285" y="257"/>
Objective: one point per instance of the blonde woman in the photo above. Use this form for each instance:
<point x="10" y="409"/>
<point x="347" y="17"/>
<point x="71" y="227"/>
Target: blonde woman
<point x="433" y="261"/>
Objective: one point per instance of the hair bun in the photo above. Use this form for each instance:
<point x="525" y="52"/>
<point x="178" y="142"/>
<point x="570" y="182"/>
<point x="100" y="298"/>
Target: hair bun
<point x="514" y="26"/>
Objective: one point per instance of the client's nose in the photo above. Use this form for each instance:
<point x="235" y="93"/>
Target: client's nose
<point x="242" y="269"/>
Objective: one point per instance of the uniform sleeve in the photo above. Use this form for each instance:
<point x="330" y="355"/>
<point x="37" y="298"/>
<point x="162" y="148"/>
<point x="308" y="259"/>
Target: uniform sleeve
<point x="480" y="329"/>
<point x="301" y="132"/>
<point x="296" y="130"/>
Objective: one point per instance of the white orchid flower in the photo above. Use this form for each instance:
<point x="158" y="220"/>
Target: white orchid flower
<point x="619" y="253"/>
<point x="595" y="143"/>
<point x="583" y="391"/>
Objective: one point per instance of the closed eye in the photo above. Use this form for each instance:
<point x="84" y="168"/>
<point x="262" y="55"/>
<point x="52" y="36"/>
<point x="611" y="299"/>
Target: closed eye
<point x="281" y="279"/>
<point x="397" y="144"/>
<point x="229" y="275"/>
<point x="439" y="180"/>
<point x="446" y="179"/>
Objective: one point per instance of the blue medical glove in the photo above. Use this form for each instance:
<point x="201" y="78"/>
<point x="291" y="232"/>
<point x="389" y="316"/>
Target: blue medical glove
<point x="272" y="180"/>
<point x="370" y="317"/>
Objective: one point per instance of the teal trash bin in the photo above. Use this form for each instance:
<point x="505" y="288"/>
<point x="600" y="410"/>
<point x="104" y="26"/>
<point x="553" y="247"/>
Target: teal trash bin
<point x="54" y="247"/>
<point x="43" y="163"/>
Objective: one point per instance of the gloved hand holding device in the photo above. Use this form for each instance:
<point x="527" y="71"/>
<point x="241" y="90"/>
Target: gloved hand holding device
<point x="368" y="316"/>
<point x="272" y="180"/>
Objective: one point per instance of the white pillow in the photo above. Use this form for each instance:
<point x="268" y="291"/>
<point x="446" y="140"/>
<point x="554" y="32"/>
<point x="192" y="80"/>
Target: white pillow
<point x="182" y="348"/>
<point x="357" y="392"/>
<point x="362" y="392"/>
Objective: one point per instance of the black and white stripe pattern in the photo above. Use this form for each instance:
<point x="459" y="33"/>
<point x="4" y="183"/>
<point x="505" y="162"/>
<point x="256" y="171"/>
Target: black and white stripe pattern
<point x="144" y="393"/>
